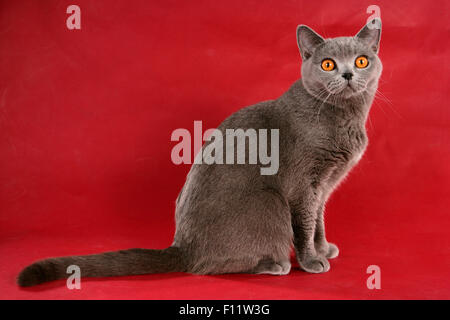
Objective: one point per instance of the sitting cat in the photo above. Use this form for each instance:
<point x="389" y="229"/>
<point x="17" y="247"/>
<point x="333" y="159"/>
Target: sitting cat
<point x="232" y="219"/>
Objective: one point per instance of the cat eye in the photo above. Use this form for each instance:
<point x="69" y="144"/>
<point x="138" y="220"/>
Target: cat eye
<point x="361" y="62"/>
<point x="328" y="65"/>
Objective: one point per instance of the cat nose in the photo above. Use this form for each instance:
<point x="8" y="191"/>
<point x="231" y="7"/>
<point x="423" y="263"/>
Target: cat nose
<point x="347" y="75"/>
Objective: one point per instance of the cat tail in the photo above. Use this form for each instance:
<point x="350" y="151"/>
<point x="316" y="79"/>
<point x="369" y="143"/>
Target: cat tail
<point x="108" y="264"/>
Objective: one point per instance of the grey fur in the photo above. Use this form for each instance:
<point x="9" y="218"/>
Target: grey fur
<point x="230" y="218"/>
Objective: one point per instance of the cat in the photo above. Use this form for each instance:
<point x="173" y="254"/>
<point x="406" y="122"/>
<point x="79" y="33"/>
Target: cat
<point x="232" y="219"/>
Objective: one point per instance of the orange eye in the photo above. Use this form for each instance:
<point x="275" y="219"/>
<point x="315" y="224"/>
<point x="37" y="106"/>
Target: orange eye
<point x="361" y="62"/>
<point x="328" y="65"/>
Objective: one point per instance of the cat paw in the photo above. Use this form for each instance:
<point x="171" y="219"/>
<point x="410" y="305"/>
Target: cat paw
<point x="314" y="264"/>
<point x="333" y="251"/>
<point x="328" y="250"/>
<point x="270" y="267"/>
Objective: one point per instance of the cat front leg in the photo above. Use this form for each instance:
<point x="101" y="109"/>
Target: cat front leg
<point x="323" y="247"/>
<point x="304" y="217"/>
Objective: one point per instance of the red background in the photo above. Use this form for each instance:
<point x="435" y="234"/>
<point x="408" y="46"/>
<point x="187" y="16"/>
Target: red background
<point x="86" y="117"/>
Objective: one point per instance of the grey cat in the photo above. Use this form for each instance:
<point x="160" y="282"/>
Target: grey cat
<point x="232" y="219"/>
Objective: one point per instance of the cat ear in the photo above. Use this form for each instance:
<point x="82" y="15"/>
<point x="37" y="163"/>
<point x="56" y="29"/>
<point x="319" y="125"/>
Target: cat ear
<point x="307" y="41"/>
<point x="371" y="34"/>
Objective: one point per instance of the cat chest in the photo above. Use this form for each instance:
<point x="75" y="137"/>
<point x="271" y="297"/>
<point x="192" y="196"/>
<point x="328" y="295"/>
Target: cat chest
<point x="332" y="165"/>
<point x="345" y="151"/>
<point x="340" y="153"/>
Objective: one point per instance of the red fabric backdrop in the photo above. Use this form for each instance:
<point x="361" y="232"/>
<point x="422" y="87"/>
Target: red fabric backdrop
<point x="86" y="117"/>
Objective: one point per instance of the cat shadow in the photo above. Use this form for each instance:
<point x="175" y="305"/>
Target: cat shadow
<point x="290" y="281"/>
<point x="138" y="278"/>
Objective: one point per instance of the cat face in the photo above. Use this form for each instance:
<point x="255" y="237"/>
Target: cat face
<point x="340" y="67"/>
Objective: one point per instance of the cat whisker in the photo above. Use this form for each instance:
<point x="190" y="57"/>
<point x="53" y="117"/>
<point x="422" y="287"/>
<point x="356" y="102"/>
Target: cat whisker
<point x="379" y="95"/>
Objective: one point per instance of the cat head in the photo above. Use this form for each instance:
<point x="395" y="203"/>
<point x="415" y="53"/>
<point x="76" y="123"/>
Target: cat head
<point x="343" y="67"/>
